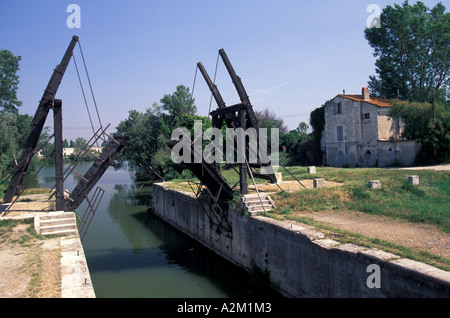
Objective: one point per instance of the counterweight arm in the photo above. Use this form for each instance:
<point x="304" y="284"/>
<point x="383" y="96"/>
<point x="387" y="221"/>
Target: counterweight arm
<point x="38" y="123"/>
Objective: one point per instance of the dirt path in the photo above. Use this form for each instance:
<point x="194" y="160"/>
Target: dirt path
<point x="436" y="167"/>
<point x="30" y="266"/>
<point x="423" y="237"/>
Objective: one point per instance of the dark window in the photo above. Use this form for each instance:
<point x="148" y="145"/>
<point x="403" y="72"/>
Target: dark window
<point x="340" y="133"/>
<point x="366" y="115"/>
<point x="337" y="108"/>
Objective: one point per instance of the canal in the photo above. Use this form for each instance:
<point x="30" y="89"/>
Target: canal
<point x="132" y="253"/>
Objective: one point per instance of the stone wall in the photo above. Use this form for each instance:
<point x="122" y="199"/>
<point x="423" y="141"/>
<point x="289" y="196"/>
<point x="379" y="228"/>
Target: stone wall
<point x="301" y="262"/>
<point x="361" y="134"/>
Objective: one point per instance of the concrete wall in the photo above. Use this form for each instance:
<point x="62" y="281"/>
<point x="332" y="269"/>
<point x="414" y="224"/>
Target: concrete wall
<point x="301" y="262"/>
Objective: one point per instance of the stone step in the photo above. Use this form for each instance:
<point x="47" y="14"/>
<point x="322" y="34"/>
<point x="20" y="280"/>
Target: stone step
<point x="56" y="223"/>
<point x="53" y="229"/>
<point x="252" y="213"/>
<point x="252" y="203"/>
<point x="61" y="233"/>
<point x="253" y="199"/>
<point x="57" y="216"/>
<point x="65" y="226"/>
<point x="259" y="207"/>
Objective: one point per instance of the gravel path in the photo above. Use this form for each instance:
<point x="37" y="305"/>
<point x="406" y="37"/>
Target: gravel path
<point x="436" y="167"/>
<point x="413" y="235"/>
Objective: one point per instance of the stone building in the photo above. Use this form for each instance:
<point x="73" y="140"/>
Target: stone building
<point x="359" y="133"/>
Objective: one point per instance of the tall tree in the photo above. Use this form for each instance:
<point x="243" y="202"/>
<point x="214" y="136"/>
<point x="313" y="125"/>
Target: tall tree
<point x="178" y="104"/>
<point x="148" y="132"/>
<point x="9" y="80"/>
<point x="412" y="47"/>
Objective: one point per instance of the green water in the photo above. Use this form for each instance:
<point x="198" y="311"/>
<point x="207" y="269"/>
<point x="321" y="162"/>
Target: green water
<point x="132" y="253"/>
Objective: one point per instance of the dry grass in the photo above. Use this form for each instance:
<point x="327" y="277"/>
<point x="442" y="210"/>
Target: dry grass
<point x="30" y="263"/>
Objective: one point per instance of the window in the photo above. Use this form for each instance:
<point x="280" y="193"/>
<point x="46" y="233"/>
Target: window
<point x="340" y="133"/>
<point x="337" y="108"/>
<point x="366" y="115"/>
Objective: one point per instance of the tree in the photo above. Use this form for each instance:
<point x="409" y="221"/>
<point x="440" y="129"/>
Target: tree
<point x="149" y="131"/>
<point x="14" y="130"/>
<point x="80" y="143"/>
<point x="144" y="130"/>
<point x="291" y="139"/>
<point x="268" y="119"/>
<point x="429" y="127"/>
<point x="177" y="104"/>
<point x="9" y="80"/>
<point x="317" y="122"/>
<point x="412" y="50"/>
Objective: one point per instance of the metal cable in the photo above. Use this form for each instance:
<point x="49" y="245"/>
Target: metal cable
<point x="214" y="82"/>
<point x="90" y="84"/>
<point x="193" y="88"/>
<point x="84" y="95"/>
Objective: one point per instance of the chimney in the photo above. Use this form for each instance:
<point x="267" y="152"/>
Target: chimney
<point x="365" y="93"/>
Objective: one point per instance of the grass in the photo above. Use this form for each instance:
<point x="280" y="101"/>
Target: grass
<point x="426" y="202"/>
<point x="6" y="226"/>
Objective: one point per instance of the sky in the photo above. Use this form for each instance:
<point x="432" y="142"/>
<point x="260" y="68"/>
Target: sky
<point x="291" y="55"/>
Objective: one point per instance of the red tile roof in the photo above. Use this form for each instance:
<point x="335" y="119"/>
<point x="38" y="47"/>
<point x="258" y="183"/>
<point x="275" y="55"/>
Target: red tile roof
<point x="373" y="100"/>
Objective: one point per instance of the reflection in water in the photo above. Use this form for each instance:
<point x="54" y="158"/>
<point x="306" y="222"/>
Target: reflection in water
<point x="132" y="253"/>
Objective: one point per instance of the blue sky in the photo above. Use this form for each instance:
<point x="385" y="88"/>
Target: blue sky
<point x="291" y="55"/>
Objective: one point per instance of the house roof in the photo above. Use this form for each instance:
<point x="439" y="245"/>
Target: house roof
<point x="373" y="100"/>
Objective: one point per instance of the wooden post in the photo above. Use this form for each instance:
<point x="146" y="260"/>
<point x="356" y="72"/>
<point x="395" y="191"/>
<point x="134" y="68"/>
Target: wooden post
<point x="243" y="166"/>
<point x="59" y="169"/>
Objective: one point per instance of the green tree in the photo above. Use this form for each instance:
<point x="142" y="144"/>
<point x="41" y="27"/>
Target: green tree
<point x="9" y="80"/>
<point x="144" y="130"/>
<point x="14" y="130"/>
<point x="149" y="131"/>
<point x="430" y="127"/>
<point x="317" y="122"/>
<point x="177" y="104"/>
<point x="80" y="143"/>
<point x="291" y="139"/>
<point x="412" y="50"/>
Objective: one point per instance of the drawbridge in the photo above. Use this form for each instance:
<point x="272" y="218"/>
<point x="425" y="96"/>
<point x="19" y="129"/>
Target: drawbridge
<point x="210" y="176"/>
<point x="65" y="201"/>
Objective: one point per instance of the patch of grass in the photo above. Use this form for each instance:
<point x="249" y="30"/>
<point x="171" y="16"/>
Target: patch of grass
<point x="36" y="191"/>
<point x="426" y="202"/>
<point x="6" y="226"/>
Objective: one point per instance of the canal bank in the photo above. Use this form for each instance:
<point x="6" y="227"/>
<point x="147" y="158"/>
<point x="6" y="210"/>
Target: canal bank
<point x="300" y="261"/>
<point x="66" y="275"/>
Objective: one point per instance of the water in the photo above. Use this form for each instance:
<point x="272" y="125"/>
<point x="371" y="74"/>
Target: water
<point x="132" y="253"/>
